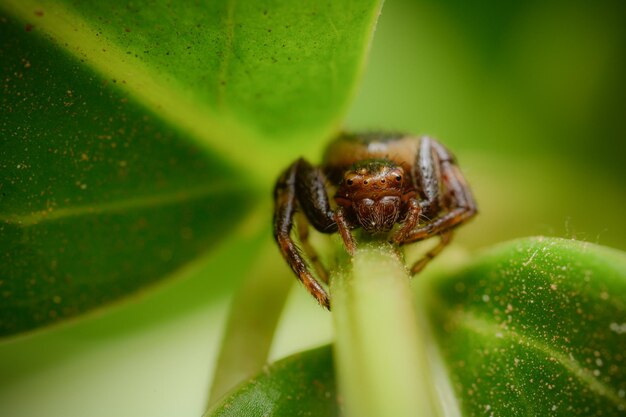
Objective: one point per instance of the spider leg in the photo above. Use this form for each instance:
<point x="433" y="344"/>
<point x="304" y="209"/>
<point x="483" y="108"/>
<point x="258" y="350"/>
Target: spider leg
<point x="444" y="240"/>
<point x="309" y="250"/>
<point x="313" y="198"/>
<point x="302" y="185"/>
<point x="344" y="231"/>
<point x="310" y="189"/>
<point x="410" y="222"/>
<point x="446" y="198"/>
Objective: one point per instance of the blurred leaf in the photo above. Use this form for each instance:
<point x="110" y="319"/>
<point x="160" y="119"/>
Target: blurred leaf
<point x="136" y="136"/>
<point x="300" y="385"/>
<point x="535" y="327"/>
<point x="255" y="310"/>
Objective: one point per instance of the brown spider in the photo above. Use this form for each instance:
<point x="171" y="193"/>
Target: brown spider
<point x="379" y="180"/>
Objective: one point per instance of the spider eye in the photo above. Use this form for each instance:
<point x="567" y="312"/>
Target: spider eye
<point x="350" y="182"/>
<point x="398" y="177"/>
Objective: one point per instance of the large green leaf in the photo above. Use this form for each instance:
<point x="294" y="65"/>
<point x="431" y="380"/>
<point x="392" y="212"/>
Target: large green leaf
<point x="136" y="136"/>
<point x="535" y="327"/>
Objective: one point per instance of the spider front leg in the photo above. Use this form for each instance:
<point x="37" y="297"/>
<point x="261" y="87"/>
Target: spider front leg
<point x="344" y="231"/>
<point x="303" y="186"/>
<point x="446" y="199"/>
<point x="444" y="240"/>
<point x="309" y="250"/>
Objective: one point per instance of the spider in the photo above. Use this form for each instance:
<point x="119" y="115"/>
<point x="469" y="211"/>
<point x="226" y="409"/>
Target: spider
<point x="378" y="180"/>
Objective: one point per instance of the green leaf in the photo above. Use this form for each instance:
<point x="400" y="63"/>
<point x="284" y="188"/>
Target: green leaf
<point x="535" y="327"/>
<point x="137" y="136"/>
<point x="300" y="385"/>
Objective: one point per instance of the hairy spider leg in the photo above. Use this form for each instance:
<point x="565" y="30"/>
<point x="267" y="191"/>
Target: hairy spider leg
<point x="302" y="185"/>
<point x="309" y="250"/>
<point x="444" y="240"/>
<point x="410" y="221"/>
<point x="344" y="231"/>
<point x="446" y="199"/>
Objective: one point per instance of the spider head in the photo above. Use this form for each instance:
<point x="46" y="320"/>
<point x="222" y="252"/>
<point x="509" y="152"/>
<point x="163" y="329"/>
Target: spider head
<point x="372" y="191"/>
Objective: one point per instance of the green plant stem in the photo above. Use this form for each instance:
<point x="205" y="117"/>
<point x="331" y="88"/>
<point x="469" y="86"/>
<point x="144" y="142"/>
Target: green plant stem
<point x="254" y="315"/>
<point x="380" y="359"/>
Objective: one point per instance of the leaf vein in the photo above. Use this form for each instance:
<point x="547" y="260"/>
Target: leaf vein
<point x="133" y="203"/>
